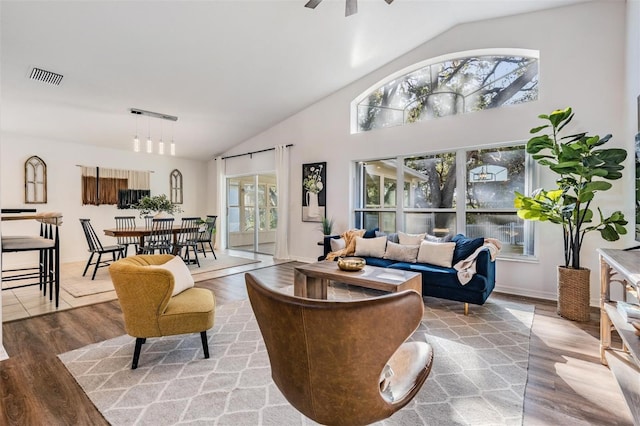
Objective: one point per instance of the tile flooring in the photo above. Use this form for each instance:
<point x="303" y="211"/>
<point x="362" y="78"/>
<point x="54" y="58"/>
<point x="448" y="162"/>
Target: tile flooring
<point x="28" y="301"/>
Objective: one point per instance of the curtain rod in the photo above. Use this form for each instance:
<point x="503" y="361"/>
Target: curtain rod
<point x="254" y="152"/>
<point x="126" y="170"/>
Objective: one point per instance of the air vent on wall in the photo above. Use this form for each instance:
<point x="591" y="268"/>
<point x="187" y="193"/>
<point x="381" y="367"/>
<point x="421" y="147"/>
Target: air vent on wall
<point x="46" y="76"/>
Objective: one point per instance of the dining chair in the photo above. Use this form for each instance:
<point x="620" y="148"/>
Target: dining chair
<point x="161" y="237"/>
<point x="125" y="223"/>
<point x="188" y="239"/>
<point x="96" y="247"/>
<point x="206" y="235"/>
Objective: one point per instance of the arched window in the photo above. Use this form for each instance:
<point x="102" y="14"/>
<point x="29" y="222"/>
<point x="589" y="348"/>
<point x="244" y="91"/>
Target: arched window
<point x="448" y="85"/>
<point x="35" y="181"/>
<point x="175" y="183"/>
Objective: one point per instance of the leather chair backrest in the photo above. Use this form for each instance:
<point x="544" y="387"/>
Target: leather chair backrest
<point x="327" y="356"/>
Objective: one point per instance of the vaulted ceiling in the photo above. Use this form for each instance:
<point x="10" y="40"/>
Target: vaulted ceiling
<point x="227" y="69"/>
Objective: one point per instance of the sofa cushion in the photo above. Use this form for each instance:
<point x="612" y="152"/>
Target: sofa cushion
<point x="393" y="237"/>
<point x="337" y="244"/>
<point x="373" y="247"/>
<point x="410" y="239"/>
<point x="400" y="252"/>
<point x="447" y="238"/>
<point x="442" y="277"/>
<point x="439" y="254"/>
<point x="370" y="233"/>
<point x="378" y="261"/>
<point x="465" y="247"/>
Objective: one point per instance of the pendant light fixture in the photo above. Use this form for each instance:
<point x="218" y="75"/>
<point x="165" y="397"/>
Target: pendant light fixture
<point x="136" y="140"/>
<point x="149" y="146"/>
<point x="149" y="141"/>
<point x="172" y="147"/>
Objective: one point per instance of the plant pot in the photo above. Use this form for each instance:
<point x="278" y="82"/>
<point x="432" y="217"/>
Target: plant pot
<point x="573" y="293"/>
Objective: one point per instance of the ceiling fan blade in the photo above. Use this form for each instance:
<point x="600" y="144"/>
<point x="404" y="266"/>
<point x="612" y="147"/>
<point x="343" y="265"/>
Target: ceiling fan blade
<point x="351" y="7"/>
<point x="389" y="1"/>
<point x="311" y="4"/>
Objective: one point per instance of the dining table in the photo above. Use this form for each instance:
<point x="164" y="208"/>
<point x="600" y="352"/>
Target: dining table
<point x="143" y="231"/>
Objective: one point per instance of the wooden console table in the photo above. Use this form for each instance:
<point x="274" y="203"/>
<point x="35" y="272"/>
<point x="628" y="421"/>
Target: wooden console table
<point x="621" y="267"/>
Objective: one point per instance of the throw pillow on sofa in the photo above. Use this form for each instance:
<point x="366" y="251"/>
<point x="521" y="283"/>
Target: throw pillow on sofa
<point x="370" y="247"/>
<point x="393" y="237"/>
<point x="465" y="247"/>
<point x="401" y="253"/>
<point x="439" y="254"/>
<point x="337" y="244"/>
<point x="410" y="239"/>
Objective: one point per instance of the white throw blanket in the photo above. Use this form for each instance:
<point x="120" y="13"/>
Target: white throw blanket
<point x="467" y="267"/>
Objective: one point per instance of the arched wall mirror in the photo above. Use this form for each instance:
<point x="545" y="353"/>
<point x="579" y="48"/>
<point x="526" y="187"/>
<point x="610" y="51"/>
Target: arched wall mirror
<point x="175" y="183"/>
<point x="35" y="181"/>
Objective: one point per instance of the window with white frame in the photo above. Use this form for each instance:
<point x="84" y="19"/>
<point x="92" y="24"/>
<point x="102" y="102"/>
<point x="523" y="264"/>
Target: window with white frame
<point x="430" y="200"/>
<point x="449" y="85"/>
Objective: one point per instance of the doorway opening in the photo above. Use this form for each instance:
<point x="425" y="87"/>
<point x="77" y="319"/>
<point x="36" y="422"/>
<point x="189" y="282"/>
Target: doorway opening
<point x="252" y="217"/>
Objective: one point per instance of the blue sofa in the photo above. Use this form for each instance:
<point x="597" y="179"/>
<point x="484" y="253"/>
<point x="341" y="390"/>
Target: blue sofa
<point x="442" y="282"/>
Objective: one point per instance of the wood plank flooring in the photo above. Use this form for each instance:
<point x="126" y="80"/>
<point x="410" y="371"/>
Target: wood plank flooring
<point x="567" y="385"/>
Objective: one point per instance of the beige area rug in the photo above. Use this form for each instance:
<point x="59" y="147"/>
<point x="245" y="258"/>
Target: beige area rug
<point x="72" y="281"/>
<point x="478" y="377"/>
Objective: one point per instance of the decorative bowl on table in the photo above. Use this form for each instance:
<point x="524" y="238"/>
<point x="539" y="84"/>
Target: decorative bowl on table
<point x="351" y="263"/>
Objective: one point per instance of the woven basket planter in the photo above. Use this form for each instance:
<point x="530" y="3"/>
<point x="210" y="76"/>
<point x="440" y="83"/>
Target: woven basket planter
<point x="573" y="293"/>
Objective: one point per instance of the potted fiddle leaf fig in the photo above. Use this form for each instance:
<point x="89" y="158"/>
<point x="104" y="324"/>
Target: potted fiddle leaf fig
<point x="583" y="168"/>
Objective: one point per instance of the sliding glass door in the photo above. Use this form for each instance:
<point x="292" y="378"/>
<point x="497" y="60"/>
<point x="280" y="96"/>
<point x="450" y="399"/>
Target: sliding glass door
<point x="252" y="218"/>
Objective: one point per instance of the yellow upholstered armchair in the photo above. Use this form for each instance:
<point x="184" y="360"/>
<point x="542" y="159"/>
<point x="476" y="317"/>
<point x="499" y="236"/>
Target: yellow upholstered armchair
<point x="145" y="288"/>
<point x="343" y="362"/>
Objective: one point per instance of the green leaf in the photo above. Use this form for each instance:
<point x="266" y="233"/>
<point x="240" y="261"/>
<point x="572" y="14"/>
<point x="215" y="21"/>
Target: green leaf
<point x="537" y="129"/>
<point x="609" y="233"/>
<point x="597" y="185"/>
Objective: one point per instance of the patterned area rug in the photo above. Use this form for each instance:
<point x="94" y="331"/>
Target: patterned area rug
<point x="478" y="377"/>
<point x="72" y="281"/>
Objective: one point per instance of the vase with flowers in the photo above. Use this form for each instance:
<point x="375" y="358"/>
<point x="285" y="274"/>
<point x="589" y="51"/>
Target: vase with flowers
<point x="312" y="184"/>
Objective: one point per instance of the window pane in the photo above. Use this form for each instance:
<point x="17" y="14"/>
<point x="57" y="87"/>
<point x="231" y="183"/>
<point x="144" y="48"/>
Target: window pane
<point x="438" y="224"/>
<point x="493" y="175"/>
<point x="273" y="219"/>
<point x="234" y="194"/>
<point x="455" y="86"/>
<point x="249" y="219"/>
<point x="262" y="200"/>
<point x="273" y="196"/>
<point x="234" y="219"/>
<point x="508" y="228"/>
<point x="385" y="221"/>
<point x="380" y="174"/>
<point x="263" y="218"/>
<point x="432" y="180"/>
<point x="249" y="195"/>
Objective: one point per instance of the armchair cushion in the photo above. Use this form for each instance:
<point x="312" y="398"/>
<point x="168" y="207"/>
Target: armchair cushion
<point x="181" y="274"/>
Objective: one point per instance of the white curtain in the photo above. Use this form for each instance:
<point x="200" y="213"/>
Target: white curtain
<point x="282" y="182"/>
<point x="221" y="224"/>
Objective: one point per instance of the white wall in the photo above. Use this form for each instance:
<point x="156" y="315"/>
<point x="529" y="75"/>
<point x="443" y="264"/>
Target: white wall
<point x="582" y="57"/>
<point x="64" y="188"/>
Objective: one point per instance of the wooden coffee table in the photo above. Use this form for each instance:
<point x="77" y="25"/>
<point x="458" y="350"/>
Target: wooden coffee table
<point x="311" y="280"/>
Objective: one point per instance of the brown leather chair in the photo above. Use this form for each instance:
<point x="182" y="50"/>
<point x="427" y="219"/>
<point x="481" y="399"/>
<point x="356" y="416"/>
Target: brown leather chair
<point x="328" y="358"/>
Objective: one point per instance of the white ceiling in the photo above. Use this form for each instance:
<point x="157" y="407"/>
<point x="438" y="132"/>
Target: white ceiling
<point x="228" y="69"/>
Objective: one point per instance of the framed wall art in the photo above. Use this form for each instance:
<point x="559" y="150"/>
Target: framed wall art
<point x="314" y="190"/>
